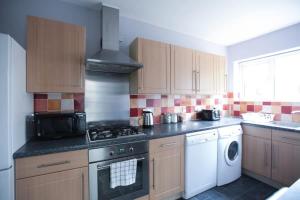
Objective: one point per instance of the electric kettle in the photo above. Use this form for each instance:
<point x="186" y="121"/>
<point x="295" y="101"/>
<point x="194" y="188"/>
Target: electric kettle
<point x="147" y="118"/>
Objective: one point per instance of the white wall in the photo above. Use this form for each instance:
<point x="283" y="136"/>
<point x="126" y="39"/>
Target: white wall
<point x="282" y="39"/>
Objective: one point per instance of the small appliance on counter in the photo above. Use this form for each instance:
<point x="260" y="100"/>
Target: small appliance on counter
<point x="59" y="125"/>
<point x="147" y="118"/>
<point x="209" y="114"/>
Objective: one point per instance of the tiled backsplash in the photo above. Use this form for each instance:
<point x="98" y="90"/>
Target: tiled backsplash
<point x="282" y="110"/>
<point x="186" y="105"/>
<point x="58" y="102"/>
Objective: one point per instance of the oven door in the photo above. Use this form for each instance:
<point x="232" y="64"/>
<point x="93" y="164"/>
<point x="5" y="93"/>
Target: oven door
<point x="99" y="178"/>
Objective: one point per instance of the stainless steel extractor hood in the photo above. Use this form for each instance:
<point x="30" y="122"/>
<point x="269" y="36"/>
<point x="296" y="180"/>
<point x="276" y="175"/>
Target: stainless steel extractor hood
<point x="110" y="59"/>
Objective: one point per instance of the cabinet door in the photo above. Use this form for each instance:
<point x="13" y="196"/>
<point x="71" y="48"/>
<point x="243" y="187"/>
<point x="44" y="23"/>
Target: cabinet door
<point x="257" y="155"/>
<point x="154" y="77"/>
<point x="55" y="56"/>
<point x="183" y="72"/>
<point x="166" y="168"/>
<point x="65" y="185"/>
<point x="220" y="74"/>
<point x="285" y="162"/>
<point x="206" y="75"/>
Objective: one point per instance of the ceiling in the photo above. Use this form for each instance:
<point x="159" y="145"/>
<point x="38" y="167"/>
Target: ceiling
<point x="224" y="22"/>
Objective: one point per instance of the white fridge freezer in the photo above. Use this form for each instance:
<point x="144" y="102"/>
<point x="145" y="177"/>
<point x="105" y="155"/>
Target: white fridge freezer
<point x="15" y="105"/>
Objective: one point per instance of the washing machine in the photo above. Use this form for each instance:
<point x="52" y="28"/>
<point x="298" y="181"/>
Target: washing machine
<point x="229" y="154"/>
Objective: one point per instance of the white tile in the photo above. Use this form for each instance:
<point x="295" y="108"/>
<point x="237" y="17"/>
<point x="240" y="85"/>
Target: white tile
<point x="67" y="105"/>
<point x="267" y="109"/>
<point x="54" y="95"/>
<point x="286" y="117"/>
<point x="236" y="107"/>
<point x="141" y="103"/>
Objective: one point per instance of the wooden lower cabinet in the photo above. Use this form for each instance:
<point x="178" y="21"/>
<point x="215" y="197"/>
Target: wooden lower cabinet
<point x="143" y="198"/>
<point x="166" y="168"/>
<point x="285" y="157"/>
<point x="65" y="185"/>
<point x="257" y="155"/>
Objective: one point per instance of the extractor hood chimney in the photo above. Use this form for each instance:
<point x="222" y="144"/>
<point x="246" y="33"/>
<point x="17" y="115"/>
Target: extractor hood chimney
<point x="110" y="59"/>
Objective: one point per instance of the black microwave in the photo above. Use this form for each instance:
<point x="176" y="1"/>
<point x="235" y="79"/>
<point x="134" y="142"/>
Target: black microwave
<point x="59" y="125"/>
<point x="209" y="115"/>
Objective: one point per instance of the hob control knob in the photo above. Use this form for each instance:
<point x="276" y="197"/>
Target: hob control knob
<point x="111" y="153"/>
<point x="131" y="149"/>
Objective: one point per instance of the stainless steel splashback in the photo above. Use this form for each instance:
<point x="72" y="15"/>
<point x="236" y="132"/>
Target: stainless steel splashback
<point x="106" y="96"/>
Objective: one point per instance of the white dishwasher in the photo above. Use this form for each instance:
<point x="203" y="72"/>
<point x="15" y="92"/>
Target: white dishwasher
<point x="201" y="151"/>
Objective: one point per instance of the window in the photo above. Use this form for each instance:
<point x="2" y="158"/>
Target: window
<point x="272" y="78"/>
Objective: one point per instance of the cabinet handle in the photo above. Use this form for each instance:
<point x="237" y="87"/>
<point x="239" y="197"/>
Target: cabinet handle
<point x="82" y="183"/>
<point x="153" y="176"/>
<point x="273" y="156"/>
<point x="193" y="80"/>
<point x="197" y="80"/>
<point x="266" y="155"/>
<point x="168" y="144"/>
<point x="54" y="164"/>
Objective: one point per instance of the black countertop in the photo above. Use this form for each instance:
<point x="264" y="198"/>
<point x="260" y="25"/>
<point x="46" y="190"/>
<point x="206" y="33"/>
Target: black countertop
<point x="34" y="148"/>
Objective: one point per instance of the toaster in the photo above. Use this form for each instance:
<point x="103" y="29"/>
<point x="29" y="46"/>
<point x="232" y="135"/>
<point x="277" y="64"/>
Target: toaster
<point x="209" y="115"/>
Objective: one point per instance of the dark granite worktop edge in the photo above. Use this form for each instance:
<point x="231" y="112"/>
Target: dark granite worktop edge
<point x="36" y="148"/>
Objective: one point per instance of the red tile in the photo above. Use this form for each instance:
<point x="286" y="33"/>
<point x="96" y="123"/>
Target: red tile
<point x="250" y="108"/>
<point x="236" y="113"/>
<point x="216" y="101"/>
<point x="141" y="96"/>
<point x="266" y="103"/>
<point x="190" y="109"/>
<point x="79" y="102"/>
<point x="134" y="112"/>
<point x="164" y="96"/>
<point x="286" y="109"/>
<point x="133" y="96"/>
<point x="225" y="107"/>
<point x="40" y="96"/>
<point x="199" y="102"/>
<point x="177" y="102"/>
<point x="257" y="108"/>
<point x="164" y="110"/>
<point x="171" y="109"/>
<point x="40" y="105"/>
<point x="236" y="102"/>
<point x="277" y="117"/>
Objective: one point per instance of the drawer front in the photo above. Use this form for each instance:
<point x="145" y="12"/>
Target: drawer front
<point x="257" y="131"/>
<point x="38" y="165"/>
<point x="165" y="144"/>
<point x="286" y="137"/>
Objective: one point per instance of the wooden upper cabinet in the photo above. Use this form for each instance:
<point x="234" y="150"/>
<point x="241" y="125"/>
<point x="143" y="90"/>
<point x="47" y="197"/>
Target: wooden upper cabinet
<point x="211" y="76"/>
<point x="183" y="71"/>
<point x="55" y="56"/>
<point x="206" y="75"/>
<point x="220" y="74"/>
<point x="154" y="77"/>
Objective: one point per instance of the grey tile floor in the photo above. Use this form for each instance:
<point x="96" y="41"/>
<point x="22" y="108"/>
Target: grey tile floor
<point x="245" y="188"/>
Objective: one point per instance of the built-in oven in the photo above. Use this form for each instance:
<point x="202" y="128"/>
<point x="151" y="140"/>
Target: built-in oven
<point x="100" y="173"/>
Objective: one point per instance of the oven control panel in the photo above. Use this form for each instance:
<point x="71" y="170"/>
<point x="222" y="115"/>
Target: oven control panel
<point x="117" y="151"/>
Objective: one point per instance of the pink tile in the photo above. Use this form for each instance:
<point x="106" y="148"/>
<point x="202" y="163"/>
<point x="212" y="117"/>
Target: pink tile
<point x="286" y="109"/>
<point x="171" y="109"/>
<point x="216" y="101"/>
<point x="296" y="108"/>
<point x="164" y="110"/>
<point x="250" y="108"/>
<point x="150" y="102"/>
<point x="40" y="105"/>
<point x="277" y="117"/>
<point x="177" y="102"/>
<point x="156" y="119"/>
<point x="141" y="96"/>
<point x="190" y="109"/>
<point x="40" y="96"/>
<point x="225" y="107"/>
<point x="276" y="103"/>
<point x="257" y="108"/>
<point x="230" y="94"/>
<point x="236" y="102"/>
<point x="198" y="102"/>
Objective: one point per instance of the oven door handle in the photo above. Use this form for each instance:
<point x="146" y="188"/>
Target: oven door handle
<point x="99" y="167"/>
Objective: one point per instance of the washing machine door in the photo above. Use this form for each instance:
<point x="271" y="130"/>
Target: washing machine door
<point x="232" y="152"/>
